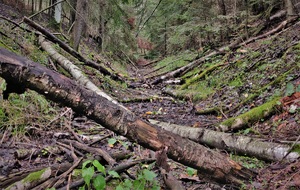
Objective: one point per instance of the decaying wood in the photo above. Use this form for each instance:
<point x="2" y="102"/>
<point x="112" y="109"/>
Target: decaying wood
<point x="70" y="50"/>
<point x="92" y="150"/>
<point x="31" y="180"/>
<point x="15" y="177"/>
<point x="235" y="143"/>
<point x="281" y="26"/>
<point x="254" y="115"/>
<point x="170" y="181"/>
<point x="27" y="74"/>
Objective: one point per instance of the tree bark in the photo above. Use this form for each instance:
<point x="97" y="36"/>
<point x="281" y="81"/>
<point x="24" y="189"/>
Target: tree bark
<point x="70" y="50"/>
<point x="290" y="9"/>
<point x="27" y="74"/>
<point x="73" y="69"/>
<point x="102" y="25"/>
<point x="80" y="25"/>
<point x="243" y="145"/>
<point x="72" y="12"/>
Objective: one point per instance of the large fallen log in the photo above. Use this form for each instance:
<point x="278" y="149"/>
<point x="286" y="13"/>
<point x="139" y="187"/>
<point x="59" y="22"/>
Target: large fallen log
<point x="240" y="144"/>
<point x="24" y="73"/>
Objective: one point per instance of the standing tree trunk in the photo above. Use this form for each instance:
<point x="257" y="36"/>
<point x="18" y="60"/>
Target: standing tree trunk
<point x="40" y="5"/>
<point x="165" y="40"/>
<point x="81" y="12"/>
<point x="101" y="30"/>
<point x="222" y="7"/>
<point x="290" y="9"/>
<point x="52" y="9"/>
<point x="32" y="6"/>
<point x="58" y="11"/>
<point x="222" y="11"/>
<point x="72" y="12"/>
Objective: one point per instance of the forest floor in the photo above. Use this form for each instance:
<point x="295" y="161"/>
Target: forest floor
<point x="35" y="135"/>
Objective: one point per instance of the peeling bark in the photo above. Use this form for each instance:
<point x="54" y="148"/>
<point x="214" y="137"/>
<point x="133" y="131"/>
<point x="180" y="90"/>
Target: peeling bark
<point x="73" y="69"/>
<point x="235" y="143"/>
<point x="65" y="91"/>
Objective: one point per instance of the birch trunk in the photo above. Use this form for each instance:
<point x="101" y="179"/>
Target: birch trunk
<point x="235" y="143"/>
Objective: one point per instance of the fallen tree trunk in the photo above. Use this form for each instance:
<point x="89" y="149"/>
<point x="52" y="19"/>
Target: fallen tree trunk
<point x="73" y="69"/>
<point x="235" y="143"/>
<point x="246" y="119"/>
<point x="27" y="74"/>
<point x="32" y="180"/>
<point x="70" y="50"/>
<point x="234" y="45"/>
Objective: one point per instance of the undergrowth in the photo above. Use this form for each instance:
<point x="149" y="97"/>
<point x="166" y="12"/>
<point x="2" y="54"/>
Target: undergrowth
<point x="20" y="112"/>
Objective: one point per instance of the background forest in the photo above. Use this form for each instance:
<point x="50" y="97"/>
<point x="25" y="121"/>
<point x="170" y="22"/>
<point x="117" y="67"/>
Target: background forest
<point x="149" y="94"/>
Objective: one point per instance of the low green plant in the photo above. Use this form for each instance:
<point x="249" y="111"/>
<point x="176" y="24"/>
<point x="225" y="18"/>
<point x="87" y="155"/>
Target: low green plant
<point x="113" y="141"/>
<point x="248" y="162"/>
<point x="88" y="175"/>
<point x="145" y="180"/>
<point x="191" y="171"/>
<point x="23" y="110"/>
<point x="94" y="173"/>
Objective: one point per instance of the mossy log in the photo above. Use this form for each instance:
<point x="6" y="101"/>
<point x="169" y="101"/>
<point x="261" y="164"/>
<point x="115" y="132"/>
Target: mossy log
<point x="67" y="92"/>
<point x="246" y="119"/>
<point x="201" y="75"/>
<point x="257" y="92"/>
<point x="16" y="178"/>
<point x="31" y="180"/>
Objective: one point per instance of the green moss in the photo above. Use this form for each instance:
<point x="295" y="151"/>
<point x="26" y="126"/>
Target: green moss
<point x="197" y="91"/>
<point x="22" y="110"/>
<point x="247" y="162"/>
<point x="255" y="114"/>
<point x="296" y="148"/>
<point x="201" y="75"/>
<point x="236" y="82"/>
<point x="35" y="175"/>
<point x="172" y="62"/>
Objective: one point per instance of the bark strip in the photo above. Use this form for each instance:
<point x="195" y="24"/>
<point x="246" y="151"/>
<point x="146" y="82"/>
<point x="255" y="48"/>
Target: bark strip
<point x="59" y="88"/>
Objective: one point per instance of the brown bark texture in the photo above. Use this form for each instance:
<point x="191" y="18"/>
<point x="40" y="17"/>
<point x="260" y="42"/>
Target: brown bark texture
<point x="27" y="74"/>
<point x="80" y="23"/>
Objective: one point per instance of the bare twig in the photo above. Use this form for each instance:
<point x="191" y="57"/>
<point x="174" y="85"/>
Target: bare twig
<point x="148" y="18"/>
<point x="98" y="151"/>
